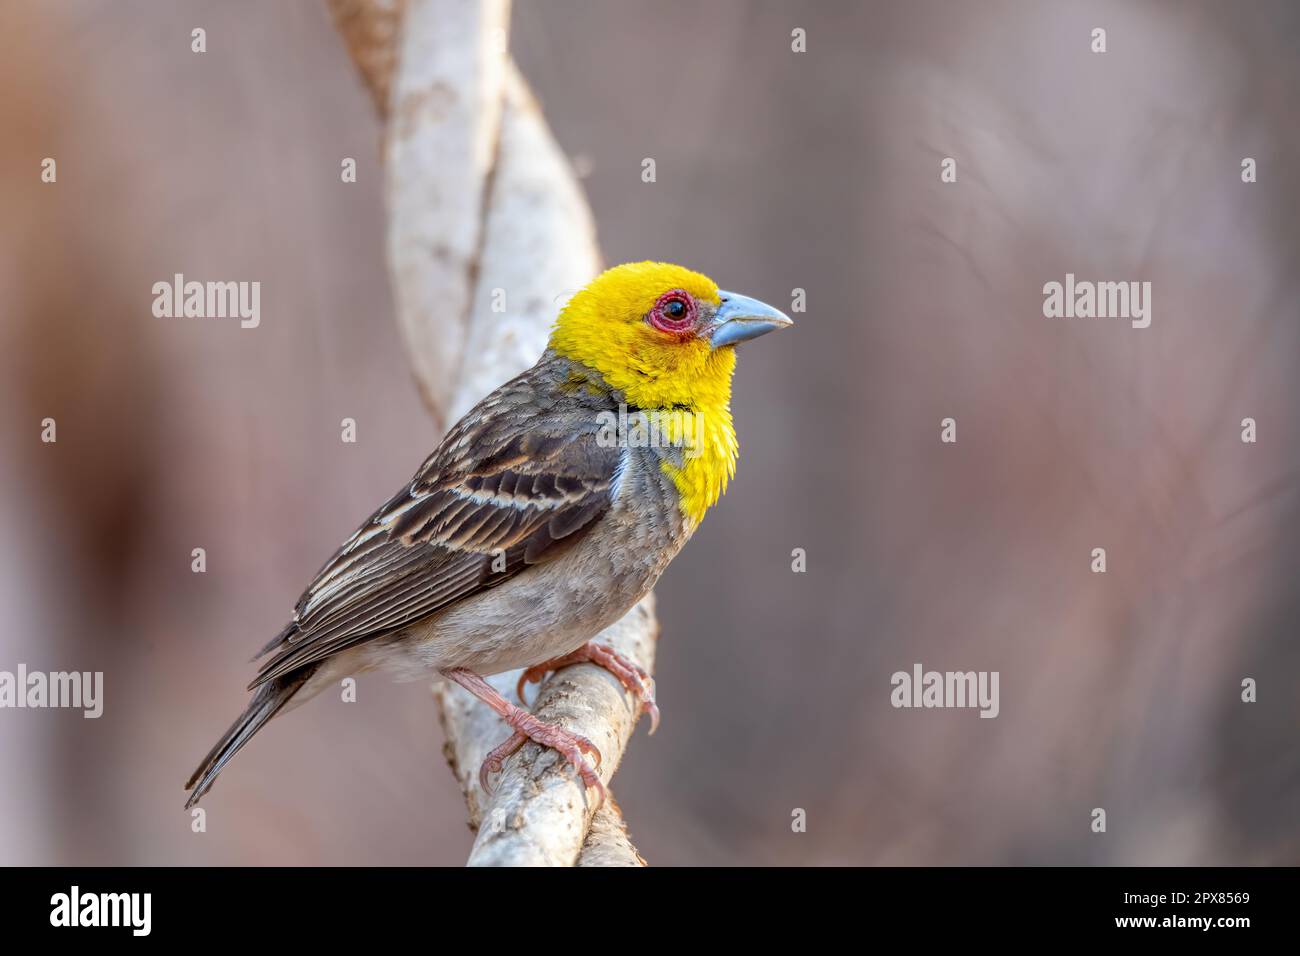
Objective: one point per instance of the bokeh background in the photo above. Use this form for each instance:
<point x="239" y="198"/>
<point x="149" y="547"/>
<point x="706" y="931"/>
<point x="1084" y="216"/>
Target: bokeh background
<point x="776" y="170"/>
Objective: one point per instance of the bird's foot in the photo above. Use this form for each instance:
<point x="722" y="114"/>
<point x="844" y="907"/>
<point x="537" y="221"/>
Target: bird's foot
<point x="634" y="678"/>
<point x="495" y="761"/>
<point x="526" y="727"/>
<point x="571" y="747"/>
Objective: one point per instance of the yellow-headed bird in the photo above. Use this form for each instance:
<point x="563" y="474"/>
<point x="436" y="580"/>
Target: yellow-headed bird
<point x="546" y="513"/>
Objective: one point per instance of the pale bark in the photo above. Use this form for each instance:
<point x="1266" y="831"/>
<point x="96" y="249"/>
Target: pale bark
<point x="369" y="28"/>
<point x="489" y="234"/>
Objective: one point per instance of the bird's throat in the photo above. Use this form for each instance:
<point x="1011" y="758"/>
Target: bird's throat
<point x="708" y="464"/>
<point x="689" y="400"/>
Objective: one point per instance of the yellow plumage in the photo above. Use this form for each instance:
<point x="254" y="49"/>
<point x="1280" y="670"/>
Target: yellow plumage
<point x="604" y="327"/>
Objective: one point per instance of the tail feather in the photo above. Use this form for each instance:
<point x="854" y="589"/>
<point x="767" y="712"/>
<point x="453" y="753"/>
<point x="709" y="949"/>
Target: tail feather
<point x="266" y="703"/>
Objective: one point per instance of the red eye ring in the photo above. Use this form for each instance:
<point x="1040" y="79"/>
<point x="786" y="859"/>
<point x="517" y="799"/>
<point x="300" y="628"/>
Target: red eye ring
<point x="674" y="312"/>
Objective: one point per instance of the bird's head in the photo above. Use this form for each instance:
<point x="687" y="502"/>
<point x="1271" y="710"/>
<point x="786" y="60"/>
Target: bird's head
<point x="661" y="334"/>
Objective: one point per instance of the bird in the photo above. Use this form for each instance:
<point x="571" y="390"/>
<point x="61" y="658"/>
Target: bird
<point x="543" y="515"/>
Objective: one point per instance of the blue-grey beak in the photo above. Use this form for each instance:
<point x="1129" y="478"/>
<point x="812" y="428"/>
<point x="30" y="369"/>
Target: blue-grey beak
<point x="740" y="318"/>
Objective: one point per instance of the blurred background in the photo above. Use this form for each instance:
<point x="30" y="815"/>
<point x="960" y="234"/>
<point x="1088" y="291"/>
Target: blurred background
<point x="776" y="170"/>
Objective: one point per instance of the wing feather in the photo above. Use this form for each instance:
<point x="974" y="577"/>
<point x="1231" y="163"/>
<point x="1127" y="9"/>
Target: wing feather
<point x="520" y="476"/>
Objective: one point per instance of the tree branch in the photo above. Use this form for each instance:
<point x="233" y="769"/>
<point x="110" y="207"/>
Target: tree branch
<point x="369" y="28"/>
<point x="540" y="814"/>
<point x="489" y="233"/>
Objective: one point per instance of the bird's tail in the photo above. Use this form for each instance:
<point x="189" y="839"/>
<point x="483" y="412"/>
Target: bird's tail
<point x="266" y="703"/>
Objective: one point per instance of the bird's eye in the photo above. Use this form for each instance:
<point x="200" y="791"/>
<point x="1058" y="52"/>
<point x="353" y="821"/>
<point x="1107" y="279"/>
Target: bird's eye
<point x="674" y="312"/>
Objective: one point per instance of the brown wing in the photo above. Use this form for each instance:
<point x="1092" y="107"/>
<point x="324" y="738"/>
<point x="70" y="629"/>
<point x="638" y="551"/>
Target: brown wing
<point x="520" y="476"/>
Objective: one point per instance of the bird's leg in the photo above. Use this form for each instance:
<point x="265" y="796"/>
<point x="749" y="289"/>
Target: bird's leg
<point x="634" y="678"/>
<point x="571" y="746"/>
